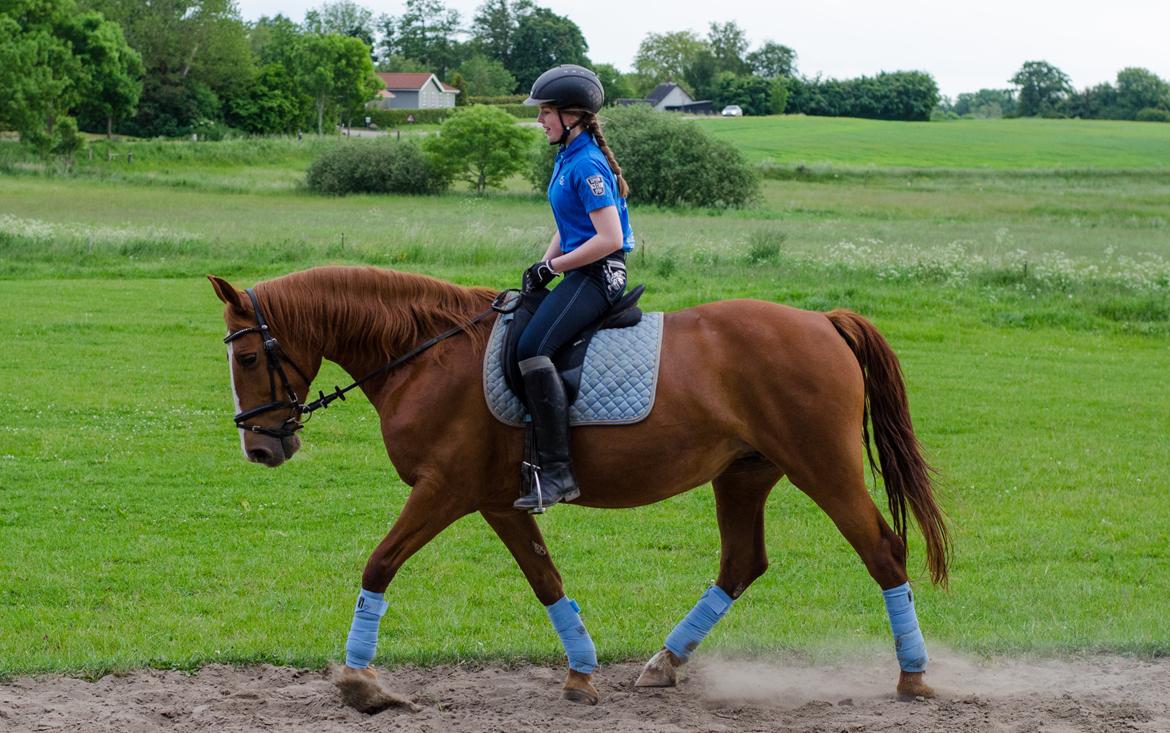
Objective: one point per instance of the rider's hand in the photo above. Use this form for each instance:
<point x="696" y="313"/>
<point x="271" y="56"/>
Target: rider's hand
<point x="538" y="276"/>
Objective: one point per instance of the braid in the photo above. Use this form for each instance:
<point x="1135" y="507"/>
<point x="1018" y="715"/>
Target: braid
<point x="593" y="125"/>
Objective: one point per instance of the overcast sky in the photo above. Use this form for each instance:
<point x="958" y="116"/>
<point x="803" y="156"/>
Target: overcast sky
<point x="965" y="45"/>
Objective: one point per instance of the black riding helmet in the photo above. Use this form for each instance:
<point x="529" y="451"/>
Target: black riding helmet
<point x="567" y="87"/>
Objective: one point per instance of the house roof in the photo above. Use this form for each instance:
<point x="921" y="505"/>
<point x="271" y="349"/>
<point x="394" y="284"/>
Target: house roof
<point x="411" y="81"/>
<point x="659" y="92"/>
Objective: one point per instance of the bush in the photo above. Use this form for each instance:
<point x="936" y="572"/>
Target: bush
<point x="375" y="166"/>
<point x="1152" y="114"/>
<point x="667" y="161"/>
<point x="481" y="145"/>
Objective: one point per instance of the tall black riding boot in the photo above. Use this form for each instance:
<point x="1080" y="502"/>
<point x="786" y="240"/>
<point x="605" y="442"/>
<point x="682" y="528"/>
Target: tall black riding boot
<point x="553" y="480"/>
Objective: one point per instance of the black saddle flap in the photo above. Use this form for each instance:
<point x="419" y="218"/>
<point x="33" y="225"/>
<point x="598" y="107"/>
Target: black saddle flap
<point x="569" y="358"/>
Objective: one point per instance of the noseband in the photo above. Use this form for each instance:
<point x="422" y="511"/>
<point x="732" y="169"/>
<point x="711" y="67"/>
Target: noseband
<point x="273" y="357"/>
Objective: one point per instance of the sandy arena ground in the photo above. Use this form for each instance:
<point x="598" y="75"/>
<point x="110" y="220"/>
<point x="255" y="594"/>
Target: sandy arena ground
<point x="1092" y="693"/>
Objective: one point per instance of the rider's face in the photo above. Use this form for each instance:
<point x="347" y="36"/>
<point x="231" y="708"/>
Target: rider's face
<point x="551" y="122"/>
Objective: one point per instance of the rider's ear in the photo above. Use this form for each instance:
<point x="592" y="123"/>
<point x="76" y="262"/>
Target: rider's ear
<point x="227" y="293"/>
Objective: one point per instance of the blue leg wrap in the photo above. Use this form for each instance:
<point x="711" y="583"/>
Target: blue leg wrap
<point x="691" y="631"/>
<point x="908" y="641"/>
<point x="363" y="634"/>
<point x="565" y="615"/>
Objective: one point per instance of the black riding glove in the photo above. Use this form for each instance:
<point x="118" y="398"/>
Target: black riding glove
<point x="538" y="276"/>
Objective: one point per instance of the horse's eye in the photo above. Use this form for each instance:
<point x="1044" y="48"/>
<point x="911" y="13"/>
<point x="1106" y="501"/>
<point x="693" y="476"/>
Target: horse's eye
<point x="246" y="359"/>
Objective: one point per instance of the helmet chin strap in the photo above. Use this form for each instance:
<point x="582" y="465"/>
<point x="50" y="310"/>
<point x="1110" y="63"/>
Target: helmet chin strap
<point x="565" y="130"/>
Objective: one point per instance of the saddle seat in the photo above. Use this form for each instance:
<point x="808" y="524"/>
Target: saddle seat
<point x="570" y="357"/>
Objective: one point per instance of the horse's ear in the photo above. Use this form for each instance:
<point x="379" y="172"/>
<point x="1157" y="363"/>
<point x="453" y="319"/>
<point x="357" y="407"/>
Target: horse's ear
<point x="226" y="292"/>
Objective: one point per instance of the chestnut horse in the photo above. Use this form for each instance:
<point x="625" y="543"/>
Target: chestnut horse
<point x="748" y="392"/>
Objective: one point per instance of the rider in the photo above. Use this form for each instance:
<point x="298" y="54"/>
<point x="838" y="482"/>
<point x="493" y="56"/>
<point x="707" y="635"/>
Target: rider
<point x="588" y="197"/>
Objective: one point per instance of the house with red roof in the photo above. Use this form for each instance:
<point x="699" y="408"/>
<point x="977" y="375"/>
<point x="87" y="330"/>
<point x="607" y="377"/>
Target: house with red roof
<point x="413" y="90"/>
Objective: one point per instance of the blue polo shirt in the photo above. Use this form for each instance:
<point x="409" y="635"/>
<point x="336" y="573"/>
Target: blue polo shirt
<point x="582" y="181"/>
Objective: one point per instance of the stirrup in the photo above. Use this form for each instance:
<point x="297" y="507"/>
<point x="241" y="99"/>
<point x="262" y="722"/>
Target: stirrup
<point x="534" y="471"/>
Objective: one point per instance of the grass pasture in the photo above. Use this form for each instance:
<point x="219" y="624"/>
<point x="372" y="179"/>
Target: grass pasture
<point x="1031" y="312"/>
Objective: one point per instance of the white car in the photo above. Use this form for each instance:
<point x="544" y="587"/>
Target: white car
<point x="732" y="110"/>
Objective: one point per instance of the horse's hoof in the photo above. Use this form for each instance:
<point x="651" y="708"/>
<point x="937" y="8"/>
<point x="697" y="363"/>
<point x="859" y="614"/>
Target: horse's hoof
<point x="580" y="690"/>
<point x="911" y="686"/>
<point x="660" y="671"/>
<point x="361" y="690"/>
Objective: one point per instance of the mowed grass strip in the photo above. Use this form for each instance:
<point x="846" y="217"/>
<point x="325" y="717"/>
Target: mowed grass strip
<point x="134" y="533"/>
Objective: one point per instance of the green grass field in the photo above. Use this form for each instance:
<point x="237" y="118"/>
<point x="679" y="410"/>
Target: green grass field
<point x="1031" y="313"/>
<point x="977" y="144"/>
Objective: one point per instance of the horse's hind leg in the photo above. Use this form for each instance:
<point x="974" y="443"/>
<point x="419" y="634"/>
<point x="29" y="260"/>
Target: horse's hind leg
<point x="519" y="532"/>
<point x="837" y="484"/>
<point x="740" y="493"/>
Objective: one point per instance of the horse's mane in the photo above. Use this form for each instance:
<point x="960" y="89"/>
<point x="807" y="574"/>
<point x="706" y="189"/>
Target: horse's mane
<point x="377" y="308"/>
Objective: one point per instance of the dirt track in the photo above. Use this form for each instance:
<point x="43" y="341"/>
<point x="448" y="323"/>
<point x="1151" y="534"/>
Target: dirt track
<point x="1097" y="693"/>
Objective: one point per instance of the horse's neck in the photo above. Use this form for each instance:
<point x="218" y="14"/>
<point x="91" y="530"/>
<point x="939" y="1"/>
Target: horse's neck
<point x="377" y="316"/>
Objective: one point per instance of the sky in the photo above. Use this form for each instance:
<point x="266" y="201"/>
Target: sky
<point x="967" y="46"/>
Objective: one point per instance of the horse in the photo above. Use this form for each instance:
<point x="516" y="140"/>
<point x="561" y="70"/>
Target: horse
<point x="748" y="392"/>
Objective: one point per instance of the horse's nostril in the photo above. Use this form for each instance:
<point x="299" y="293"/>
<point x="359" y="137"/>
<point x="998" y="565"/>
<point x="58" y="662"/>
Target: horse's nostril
<point x="260" y="455"/>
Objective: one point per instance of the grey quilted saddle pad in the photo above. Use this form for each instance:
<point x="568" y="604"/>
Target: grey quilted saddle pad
<point x="618" y="378"/>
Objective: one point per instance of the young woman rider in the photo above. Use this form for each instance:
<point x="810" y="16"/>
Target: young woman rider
<point x="588" y="197"/>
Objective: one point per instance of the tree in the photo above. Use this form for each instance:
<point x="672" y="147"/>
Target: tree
<point x="343" y="17"/>
<point x="56" y="60"/>
<point x="424" y="32"/>
<point x="187" y="47"/>
<point x="667" y="56"/>
<point x="728" y="43"/>
<point x="481" y="145"/>
<point x="544" y="40"/>
<point x="486" y="77"/>
<point x="616" y="84"/>
<point x="1042" y="87"/>
<point x="772" y="61"/>
<point x="986" y="104"/>
<point x="112" y="81"/>
<point x="1139" y="89"/>
<point x="493" y="29"/>
<point x="38" y="70"/>
<point x="274" y="103"/>
<point x="337" y="73"/>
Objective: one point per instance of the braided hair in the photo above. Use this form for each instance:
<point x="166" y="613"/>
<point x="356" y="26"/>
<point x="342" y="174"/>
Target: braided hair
<point x="591" y="124"/>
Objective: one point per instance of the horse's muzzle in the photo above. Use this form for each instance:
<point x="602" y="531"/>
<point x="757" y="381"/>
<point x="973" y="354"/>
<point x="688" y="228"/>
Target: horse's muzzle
<point x="270" y="451"/>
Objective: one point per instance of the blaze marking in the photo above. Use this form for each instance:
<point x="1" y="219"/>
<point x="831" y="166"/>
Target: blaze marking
<point x="235" y="395"/>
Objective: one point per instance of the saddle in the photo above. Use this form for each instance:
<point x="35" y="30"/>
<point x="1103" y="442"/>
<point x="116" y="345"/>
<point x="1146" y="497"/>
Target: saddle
<point x="569" y="358"/>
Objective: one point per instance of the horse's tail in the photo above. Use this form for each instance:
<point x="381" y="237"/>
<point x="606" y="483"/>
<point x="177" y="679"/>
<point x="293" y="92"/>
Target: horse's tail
<point x="907" y="475"/>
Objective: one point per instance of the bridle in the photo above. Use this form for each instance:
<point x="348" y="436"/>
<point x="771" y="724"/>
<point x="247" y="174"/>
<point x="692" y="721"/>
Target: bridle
<point x="275" y="357"/>
<point x="275" y="361"/>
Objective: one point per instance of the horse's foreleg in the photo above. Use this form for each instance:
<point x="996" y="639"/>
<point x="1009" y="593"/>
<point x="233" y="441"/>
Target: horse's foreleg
<point x="740" y="493"/>
<point x="519" y="532"/>
<point x="428" y="511"/>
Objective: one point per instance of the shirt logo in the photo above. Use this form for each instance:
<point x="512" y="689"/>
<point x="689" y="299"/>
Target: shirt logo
<point x="596" y="185"/>
<point x="561" y="181"/>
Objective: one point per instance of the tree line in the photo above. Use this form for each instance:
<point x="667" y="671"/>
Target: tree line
<point x="1043" y="90"/>
<point x="174" y="67"/>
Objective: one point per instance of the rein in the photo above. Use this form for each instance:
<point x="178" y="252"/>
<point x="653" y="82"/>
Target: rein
<point x="273" y="357"/>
